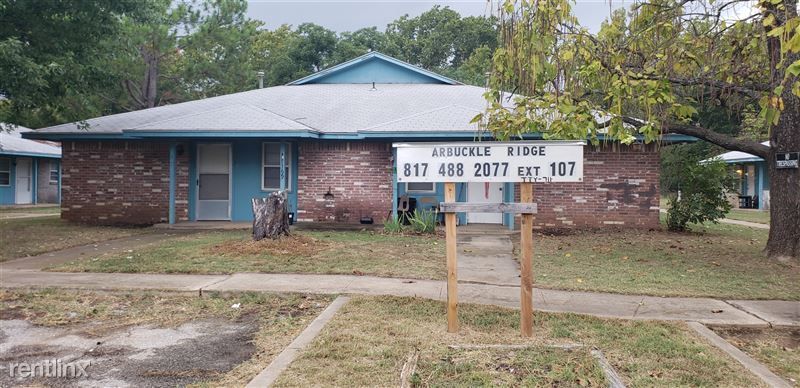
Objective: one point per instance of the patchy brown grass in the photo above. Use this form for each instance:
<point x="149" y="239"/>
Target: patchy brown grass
<point x="23" y="237"/>
<point x="778" y="348"/>
<point x="722" y="261"/>
<point x="319" y="252"/>
<point x="296" y="244"/>
<point x="280" y="317"/>
<point x="370" y="339"/>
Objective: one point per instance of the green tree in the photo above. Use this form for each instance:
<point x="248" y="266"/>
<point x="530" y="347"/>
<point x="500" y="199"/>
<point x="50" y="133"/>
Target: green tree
<point x="359" y="42"/>
<point x="215" y="58"/>
<point x="50" y="56"/>
<point x="270" y="53"/>
<point x="314" y="48"/>
<point x="644" y="74"/>
<point x="439" y="38"/>
<point x="147" y="46"/>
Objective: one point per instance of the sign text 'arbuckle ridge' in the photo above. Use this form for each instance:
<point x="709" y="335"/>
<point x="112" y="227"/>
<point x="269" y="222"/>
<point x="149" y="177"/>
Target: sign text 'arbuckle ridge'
<point x="523" y="161"/>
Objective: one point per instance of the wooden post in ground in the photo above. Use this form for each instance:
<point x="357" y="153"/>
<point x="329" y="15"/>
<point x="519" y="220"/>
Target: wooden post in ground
<point x="526" y="263"/>
<point x="452" y="264"/>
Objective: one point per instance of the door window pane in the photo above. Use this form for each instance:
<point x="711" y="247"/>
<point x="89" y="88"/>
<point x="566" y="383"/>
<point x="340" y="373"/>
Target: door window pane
<point x="213" y="187"/>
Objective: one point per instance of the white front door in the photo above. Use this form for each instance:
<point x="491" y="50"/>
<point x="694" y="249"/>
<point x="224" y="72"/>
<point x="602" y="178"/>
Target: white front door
<point x="214" y="182"/>
<point x="485" y="193"/>
<point x="24" y="181"/>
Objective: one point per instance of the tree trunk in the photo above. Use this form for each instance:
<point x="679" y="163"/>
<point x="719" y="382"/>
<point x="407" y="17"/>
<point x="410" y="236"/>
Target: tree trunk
<point x="271" y="216"/>
<point x="784" y="184"/>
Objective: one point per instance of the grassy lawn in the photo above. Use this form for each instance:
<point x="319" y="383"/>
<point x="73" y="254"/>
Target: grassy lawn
<point x="32" y="236"/>
<point x="278" y="317"/>
<point x="323" y="252"/>
<point x="760" y="217"/>
<point x="777" y="348"/>
<point x="722" y="260"/>
<point x="368" y="342"/>
<point x="11" y="212"/>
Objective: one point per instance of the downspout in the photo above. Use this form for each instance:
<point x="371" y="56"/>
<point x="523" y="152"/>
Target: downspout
<point x="283" y="166"/>
<point x="172" y="174"/>
<point x="394" y="183"/>
<point x="59" y="182"/>
<point x="35" y="181"/>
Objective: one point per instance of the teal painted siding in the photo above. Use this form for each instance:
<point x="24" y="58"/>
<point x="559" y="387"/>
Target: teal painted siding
<point x="427" y="201"/>
<point x="191" y="148"/>
<point x="378" y="71"/>
<point x="247" y="166"/>
<point x="7" y="192"/>
<point x="245" y="178"/>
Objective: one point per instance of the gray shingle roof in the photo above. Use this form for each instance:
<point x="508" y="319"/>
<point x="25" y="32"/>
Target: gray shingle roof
<point x="324" y="108"/>
<point x="12" y="143"/>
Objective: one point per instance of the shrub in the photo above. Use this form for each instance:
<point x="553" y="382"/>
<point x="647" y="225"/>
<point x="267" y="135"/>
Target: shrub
<point x="394" y="225"/>
<point x="423" y="221"/>
<point x="702" y="195"/>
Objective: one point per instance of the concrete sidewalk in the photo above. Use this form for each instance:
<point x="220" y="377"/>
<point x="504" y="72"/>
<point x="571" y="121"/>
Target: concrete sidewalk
<point x="744" y="223"/>
<point x="704" y="310"/>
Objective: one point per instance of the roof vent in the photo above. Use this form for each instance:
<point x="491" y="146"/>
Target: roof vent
<point x="260" y="75"/>
<point x="373" y="87"/>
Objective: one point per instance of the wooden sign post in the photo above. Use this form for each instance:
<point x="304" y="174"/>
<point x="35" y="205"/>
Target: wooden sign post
<point x="524" y="162"/>
<point x="452" y="263"/>
<point x="526" y="263"/>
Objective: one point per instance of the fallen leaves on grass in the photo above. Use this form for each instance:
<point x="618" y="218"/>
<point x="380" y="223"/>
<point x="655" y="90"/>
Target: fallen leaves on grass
<point x="294" y="245"/>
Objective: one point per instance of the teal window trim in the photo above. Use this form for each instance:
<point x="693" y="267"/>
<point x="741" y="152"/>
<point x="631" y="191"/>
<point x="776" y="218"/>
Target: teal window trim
<point x="285" y="169"/>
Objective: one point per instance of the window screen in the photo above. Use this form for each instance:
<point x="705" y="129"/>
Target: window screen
<point x="272" y="166"/>
<point x="420" y="186"/>
<point x="5" y="171"/>
<point x="213" y="187"/>
<point x="54" y="173"/>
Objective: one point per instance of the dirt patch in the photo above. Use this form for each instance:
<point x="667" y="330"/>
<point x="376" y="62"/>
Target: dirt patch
<point x="787" y="338"/>
<point x="294" y="245"/>
<point x="777" y="348"/>
<point x="148" y="355"/>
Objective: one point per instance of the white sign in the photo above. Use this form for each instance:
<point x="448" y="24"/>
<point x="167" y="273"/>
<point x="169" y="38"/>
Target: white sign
<point x="520" y="161"/>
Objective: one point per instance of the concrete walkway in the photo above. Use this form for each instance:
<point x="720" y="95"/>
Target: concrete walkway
<point x="744" y="223"/>
<point x="486" y="258"/>
<point x="704" y="310"/>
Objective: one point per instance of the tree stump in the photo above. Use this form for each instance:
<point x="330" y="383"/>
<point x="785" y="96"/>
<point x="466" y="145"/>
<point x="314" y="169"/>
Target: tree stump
<point x="271" y="216"/>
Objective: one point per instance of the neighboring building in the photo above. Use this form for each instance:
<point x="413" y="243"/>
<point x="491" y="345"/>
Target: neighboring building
<point x="753" y="179"/>
<point x="206" y="159"/>
<point x="29" y="170"/>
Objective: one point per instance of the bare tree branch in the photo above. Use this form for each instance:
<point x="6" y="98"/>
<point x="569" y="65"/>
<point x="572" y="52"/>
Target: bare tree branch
<point x="711" y="136"/>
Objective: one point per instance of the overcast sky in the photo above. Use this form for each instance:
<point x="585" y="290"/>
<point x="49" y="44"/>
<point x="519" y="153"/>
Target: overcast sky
<point x="350" y="15"/>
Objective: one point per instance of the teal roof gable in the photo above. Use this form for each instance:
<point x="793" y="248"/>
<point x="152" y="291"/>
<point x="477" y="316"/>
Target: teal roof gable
<point x="375" y="67"/>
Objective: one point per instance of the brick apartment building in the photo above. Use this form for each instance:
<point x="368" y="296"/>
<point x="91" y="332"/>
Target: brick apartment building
<point x="327" y="139"/>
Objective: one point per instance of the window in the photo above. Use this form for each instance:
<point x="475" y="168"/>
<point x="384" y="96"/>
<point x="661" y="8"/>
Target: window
<point x="271" y="162"/>
<point x="421" y="187"/>
<point x="54" y="172"/>
<point x="5" y="172"/>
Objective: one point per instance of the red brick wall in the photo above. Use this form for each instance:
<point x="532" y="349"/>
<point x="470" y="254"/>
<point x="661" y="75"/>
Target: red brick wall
<point x="358" y="174"/>
<point x="121" y="182"/>
<point x="620" y="188"/>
